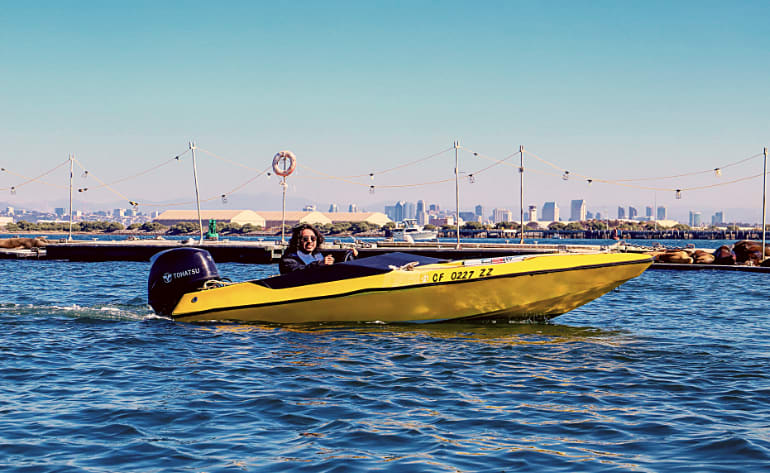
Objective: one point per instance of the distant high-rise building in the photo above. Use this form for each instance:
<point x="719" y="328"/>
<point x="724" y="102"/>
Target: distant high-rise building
<point x="390" y="211"/>
<point x="632" y="213"/>
<point x="410" y="209"/>
<point x="422" y="217"/>
<point x="468" y="216"/>
<point x="589" y="215"/>
<point x="662" y="215"/>
<point x="119" y="213"/>
<point x="598" y="216"/>
<point x="695" y="218"/>
<point x="420" y="207"/>
<point x="434" y="208"/>
<point x="648" y="212"/>
<point x="333" y="208"/>
<point x="400" y="211"/>
<point x="532" y="213"/>
<point x="441" y="221"/>
<point x="621" y="213"/>
<point x="59" y="211"/>
<point x="502" y="215"/>
<point x="718" y="218"/>
<point x="352" y="208"/>
<point x="550" y="212"/>
<point x="577" y="210"/>
<point x="9" y="210"/>
<point x="479" y="211"/>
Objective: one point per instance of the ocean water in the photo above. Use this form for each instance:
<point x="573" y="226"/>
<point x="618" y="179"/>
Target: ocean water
<point x="669" y="373"/>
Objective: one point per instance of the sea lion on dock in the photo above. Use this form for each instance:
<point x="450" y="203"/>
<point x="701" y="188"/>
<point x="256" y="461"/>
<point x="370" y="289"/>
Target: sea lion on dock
<point x="27" y="243"/>
<point x="703" y="257"/>
<point x="724" y="255"/>
<point x="749" y="252"/>
<point x="675" y="256"/>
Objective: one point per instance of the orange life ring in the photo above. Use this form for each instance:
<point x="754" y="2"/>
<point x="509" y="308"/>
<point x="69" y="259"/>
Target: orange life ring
<point x="280" y="159"/>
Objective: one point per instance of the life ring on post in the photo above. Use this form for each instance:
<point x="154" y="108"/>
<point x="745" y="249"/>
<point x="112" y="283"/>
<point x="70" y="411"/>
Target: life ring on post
<point x="280" y="166"/>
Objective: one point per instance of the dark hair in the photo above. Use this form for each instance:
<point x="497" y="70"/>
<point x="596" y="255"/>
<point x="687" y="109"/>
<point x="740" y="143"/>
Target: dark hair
<point x="296" y="234"/>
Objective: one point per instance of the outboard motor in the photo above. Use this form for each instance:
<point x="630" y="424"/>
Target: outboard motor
<point x="176" y="272"/>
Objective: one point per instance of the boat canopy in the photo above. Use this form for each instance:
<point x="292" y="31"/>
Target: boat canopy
<point x="349" y="269"/>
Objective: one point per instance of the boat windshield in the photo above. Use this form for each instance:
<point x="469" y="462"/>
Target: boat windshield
<point x="350" y="269"/>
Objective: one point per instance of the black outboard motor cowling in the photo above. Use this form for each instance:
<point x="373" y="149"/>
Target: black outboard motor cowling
<point x="176" y="272"/>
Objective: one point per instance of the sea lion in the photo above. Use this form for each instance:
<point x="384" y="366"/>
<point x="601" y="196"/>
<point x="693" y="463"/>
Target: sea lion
<point x="675" y="256"/>
<point x="16" y="243"/>
<point x="656" y="254"/>
<point x="703" y="257"/>
<point x="749" y="252"/>
<point x="724" y="255"/>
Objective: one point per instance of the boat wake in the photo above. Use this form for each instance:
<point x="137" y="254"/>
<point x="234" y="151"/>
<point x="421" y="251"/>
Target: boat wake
<point x="101" y="312"/>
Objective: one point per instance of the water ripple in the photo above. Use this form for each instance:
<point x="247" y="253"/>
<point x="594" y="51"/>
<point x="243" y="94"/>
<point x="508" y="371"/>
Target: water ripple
<point x="667" y="374"/>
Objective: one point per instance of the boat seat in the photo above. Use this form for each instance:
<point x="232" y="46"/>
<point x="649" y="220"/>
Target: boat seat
<point x="349" y="269"/>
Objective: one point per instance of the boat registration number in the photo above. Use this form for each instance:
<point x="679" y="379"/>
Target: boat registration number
<point x="458" y="275"/>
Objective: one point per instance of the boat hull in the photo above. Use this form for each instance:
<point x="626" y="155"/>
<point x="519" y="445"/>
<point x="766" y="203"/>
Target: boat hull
<point x="424" y="235"/>
<point x="514" y="288"/>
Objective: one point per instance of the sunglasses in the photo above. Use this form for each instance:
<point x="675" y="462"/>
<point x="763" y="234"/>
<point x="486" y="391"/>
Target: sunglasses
<point x="308" y="238"/>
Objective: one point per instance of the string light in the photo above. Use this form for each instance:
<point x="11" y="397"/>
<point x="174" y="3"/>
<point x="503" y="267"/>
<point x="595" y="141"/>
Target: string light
<point x="619" y="181"/>
<point x="471" y="177"/>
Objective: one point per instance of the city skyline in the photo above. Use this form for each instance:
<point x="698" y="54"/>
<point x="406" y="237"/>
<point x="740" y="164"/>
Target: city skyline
<point x="550" y="211"/>
<point x="423" y="212"/>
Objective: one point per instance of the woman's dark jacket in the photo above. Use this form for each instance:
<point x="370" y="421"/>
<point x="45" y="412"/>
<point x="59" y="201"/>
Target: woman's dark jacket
<point x="292" y="262"/>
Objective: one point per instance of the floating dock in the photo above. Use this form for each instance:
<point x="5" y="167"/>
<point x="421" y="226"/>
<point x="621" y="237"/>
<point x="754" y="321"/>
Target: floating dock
<point x="271" y="252"/>
<point x="22" y="253"/>
<point x="268" y="252"/>
<point x="710" y="267"/>
<point x="142" y="250"/>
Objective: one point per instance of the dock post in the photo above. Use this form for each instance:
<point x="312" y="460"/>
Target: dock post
<point x="521" y="192"/>
<point x="764" y="202"/>
<point x="457" y="194"/>
<point x="69" y="237"/>
<point x="283" y="209"/>
<point x="197" y="195"/>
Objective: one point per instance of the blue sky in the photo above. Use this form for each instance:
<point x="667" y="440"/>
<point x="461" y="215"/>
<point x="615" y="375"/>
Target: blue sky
<point x="612" y="89"/>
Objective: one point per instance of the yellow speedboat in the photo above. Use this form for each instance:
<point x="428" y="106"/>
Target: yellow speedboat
<point x="397" y="287"/>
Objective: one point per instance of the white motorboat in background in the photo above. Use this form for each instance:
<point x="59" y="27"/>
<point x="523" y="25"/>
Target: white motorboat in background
<point x="409" y="230"/>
